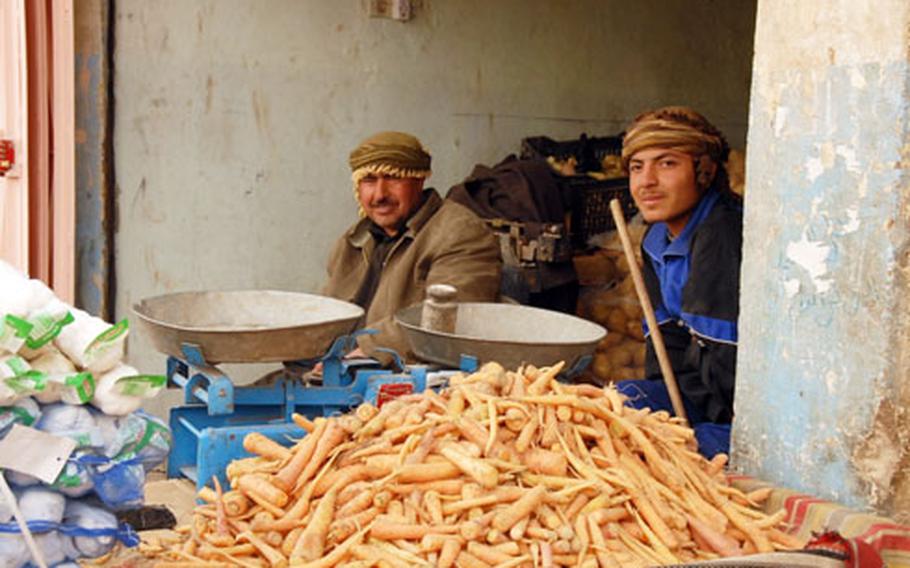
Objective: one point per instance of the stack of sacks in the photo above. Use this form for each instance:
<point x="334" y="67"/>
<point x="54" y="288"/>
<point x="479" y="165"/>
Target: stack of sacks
<point x="62" y="372"/>
<point x="608" y="297"/>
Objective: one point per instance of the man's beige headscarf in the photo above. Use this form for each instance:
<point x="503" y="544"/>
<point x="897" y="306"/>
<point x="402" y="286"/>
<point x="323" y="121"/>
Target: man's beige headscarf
<point x="682" y="129"/>
<point x="394" y="154"/>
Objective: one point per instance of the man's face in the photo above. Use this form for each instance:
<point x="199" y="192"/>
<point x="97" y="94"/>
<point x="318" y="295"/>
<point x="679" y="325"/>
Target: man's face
<point x="389" y="200"/>
<point x="663" y="186"/>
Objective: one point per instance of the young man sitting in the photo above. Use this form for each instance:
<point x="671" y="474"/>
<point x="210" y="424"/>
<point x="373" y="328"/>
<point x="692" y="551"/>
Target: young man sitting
<point x="692" y="253"/>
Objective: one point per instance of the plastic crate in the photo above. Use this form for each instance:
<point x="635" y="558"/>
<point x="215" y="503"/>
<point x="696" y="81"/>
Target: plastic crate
<point x="589" y="198"/>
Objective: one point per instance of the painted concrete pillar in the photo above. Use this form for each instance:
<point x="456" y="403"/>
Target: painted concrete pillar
<point x="823" y="378"/>
<point x="94" y="210"/>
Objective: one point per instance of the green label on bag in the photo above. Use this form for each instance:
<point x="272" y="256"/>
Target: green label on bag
<point x="108" y="336"/>
<point x="21" y="415"/>
<point x="17" y="365"/>
<point x="13" y="333"/>
<point x="152" y="429"/>
<point x="15" y="327"/>
<point x="46" y="327"/>
<point x="140" y="385"/>
<point x="82" y="385"/>
<point x="27" y="382"/>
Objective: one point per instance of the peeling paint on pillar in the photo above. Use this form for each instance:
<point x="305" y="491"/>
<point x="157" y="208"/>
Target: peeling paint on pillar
<point x="823" y="298"/>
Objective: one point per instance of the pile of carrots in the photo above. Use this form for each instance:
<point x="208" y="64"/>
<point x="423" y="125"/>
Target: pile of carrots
<point x="503" y="468"/>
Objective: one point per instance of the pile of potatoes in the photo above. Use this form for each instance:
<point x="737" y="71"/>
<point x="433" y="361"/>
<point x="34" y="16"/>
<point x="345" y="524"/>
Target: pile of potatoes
<point x="608" y="298"/>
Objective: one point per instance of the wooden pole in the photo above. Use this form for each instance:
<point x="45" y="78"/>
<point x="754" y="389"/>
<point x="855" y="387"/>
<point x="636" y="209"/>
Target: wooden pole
<point x="659" y="348"/>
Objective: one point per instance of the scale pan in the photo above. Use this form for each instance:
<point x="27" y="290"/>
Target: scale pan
<point x="508" y="334"/>
<point x="247" y="326"/>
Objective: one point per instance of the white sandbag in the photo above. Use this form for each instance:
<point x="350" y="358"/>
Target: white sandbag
<point x="136" y="435"/>
<point x="14" y="552"/>
<point x="109" y="397"/>
<point x="13" y="366"/>
<point x="92" y="343"/>
<point x="6" y="511"/>
<point x="25" y="411"/>
<point x="14" y="291"/>
<point x="47" y="322"/>
<point x="11" y="389"/>
<point x="88" y="517"/>
<point x="70" y="421"/>
<point x="52" y="362"/>
<point x="14" y="332"/>
<point x="42" y="504"/>
<point x="61" y="379"/>
<point x="51" y="545"/>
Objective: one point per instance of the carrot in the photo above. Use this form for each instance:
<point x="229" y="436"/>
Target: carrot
<point x="576" y="505"/>
<point x="480" y="471"/>
<point x="287" y="477"/>
<point x="501" y="495"/>
<point x="759" y="495"/>
<point x="442" y="486"/>
<point x="489" y="554"/>
<point x="256" y="443"/>
<point x="360" y="502"/>
<point x="304" y="422"/>
<point x="604" y="558"/>
<point x="506" y="518"/>
<point x="545" y="462"/>
<point x="341" y="477"/>
<point x="527" y="434"/>
<point x="433" y="505"/>
<point x="311" y="544"/>
<point x="542" y="381"/>
<point x="716" y="541"/>
<point x="333" y="436"/>
<point x="338" y="553"/>
<point x="345" y="527"/>
<point x="252" y="485"/>
<point x="274" y="557"/>
<point x="467" y="560"/>
<point x="389" y="530"/>
<point x="451" y="548"/>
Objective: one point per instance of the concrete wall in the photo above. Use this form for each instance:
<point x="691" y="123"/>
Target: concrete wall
<point x="234" y="118"/>
<point x="823" y="390"/>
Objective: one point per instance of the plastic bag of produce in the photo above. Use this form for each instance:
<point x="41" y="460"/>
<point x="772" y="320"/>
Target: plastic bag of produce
<point x="137" y="435"/>
<point x="51" y="545"/>
<point x="119" y="484"/>
<point x="17" y="380"/>
<point x="92" y="343"/>
<point x="18" y="295"/>
<point x="13" y="551"/>
<point x="13" y="333"/>
<point x="41" y="504"/>
<point x="47" y="322"/>
<point x="25" y="411"/>
<point x="62" y="380"/>
<point x="123" y="390"/>
<point x="92" y="531"/>
<point x="71" y="421"/>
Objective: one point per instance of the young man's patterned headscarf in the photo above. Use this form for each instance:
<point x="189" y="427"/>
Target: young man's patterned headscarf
<point x="682" y="129"/>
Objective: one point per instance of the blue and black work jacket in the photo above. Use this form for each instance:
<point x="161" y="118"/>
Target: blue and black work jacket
<point x="693" y="283"/>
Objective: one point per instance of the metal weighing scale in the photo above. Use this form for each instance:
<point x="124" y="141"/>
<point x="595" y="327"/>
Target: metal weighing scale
<point x="199" y="330"/>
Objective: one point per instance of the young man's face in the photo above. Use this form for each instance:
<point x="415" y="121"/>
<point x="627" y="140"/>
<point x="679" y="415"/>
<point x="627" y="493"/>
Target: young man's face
<point x="389" y="200"/>
<point x="663" y="186"/>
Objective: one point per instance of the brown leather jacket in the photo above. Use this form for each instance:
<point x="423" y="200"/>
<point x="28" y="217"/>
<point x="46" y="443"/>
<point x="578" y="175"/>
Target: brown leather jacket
<point x="445" y="243"/>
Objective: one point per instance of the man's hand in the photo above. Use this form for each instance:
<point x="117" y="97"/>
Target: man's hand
<point x="357" y="353"/>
